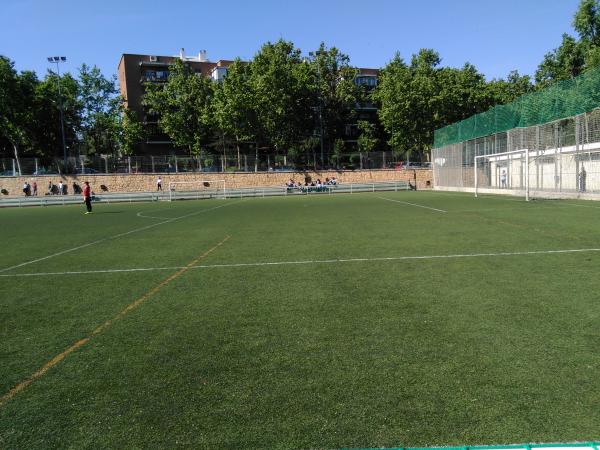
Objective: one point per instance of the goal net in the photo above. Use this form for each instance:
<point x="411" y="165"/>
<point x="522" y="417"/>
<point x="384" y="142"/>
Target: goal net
<point x="548" y="173"/>
<point x="187" y="190"/>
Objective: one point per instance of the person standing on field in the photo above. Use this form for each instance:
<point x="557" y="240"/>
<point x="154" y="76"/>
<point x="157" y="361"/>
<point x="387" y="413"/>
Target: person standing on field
<point x="34" y="185"/>
<point x="159" y="184"/>
<point x="87" y="197"/>
<point x="503" y="179"/>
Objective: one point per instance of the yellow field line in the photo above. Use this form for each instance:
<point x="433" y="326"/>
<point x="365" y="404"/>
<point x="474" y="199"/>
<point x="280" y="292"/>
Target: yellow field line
<point x="58" y="358"/>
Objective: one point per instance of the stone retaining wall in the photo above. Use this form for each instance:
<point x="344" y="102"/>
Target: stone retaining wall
<point x="147" y="182"/>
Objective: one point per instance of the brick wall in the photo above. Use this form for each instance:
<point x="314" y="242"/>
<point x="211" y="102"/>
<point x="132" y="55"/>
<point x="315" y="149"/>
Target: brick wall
<point x="147" y="182"/>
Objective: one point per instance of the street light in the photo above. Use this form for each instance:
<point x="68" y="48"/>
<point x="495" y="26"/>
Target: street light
<point x="57" y="60"/>
<point x="313" y="56"/>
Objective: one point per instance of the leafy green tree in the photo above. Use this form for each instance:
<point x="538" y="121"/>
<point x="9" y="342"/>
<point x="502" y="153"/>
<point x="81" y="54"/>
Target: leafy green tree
<point x="99" y="110"/>
<point x="17" y="93"/>
<point x="409" y="101"/>
<point x="183" y="105"/>
<point x="563" y="63"/>
<point x="282" y="94"/>
<point x="338" y="151"/>
<point x="46" y="113"/>
<point x="336" y="90"/>
<point x="416" y="99"/>
<point x="130" y="131"/>
<point x="503" y="91"/>
<point x="233" y="106"/>
<point x="366" y="140"/>
<point x="587" y="21"/>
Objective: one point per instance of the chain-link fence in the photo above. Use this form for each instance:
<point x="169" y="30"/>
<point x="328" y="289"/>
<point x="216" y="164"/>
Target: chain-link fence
<point x="201" y="163"/>
<point x="560" y="157"/>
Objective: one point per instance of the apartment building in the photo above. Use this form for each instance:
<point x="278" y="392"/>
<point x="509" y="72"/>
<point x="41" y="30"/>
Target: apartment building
<point x="135" y="70"/>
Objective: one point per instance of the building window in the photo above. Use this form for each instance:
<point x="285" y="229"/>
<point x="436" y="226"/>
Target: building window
<point x="369" y="81"/>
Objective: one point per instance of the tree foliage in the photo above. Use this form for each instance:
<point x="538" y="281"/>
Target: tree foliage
<point x="184" y="107"/>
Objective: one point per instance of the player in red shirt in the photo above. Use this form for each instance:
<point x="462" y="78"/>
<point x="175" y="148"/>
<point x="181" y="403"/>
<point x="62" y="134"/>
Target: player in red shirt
<point x="87" y="197"/>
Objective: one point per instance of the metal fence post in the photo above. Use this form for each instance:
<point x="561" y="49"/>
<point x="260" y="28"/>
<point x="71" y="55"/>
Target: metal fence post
<point x="152" y="162"/>
<point x="129" y="164"/>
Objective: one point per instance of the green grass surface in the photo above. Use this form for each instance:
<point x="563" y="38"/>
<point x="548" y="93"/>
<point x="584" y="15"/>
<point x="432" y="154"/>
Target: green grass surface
<point x="367" y="353"/>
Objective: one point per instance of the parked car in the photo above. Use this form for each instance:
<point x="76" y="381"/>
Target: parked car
<point x="85" y="170"/>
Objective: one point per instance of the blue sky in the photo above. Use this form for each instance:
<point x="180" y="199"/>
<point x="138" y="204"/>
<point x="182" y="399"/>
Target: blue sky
<point x="496" y="36"/>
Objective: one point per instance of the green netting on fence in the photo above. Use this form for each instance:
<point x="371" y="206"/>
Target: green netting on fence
<point x="559" y="101"/>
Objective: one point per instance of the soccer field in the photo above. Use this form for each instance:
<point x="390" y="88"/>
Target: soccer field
<point x="366" y="320"/>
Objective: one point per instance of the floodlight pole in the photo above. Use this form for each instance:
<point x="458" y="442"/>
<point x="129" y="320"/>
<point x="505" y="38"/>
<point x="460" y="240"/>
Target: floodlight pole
<point x="57" y="60"/>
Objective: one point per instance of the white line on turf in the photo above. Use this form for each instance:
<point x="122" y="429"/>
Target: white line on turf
<point x="150" y="217"/>
<point x="412" y="204"/>
<point x="69" y="250"/>
<point x="304" y="262"/>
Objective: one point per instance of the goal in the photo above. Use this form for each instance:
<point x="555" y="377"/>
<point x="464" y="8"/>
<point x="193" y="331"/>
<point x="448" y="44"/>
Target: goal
<point x="565" y="172"/>
<point x="188" y="190"/>
<point x="502" y="173"/>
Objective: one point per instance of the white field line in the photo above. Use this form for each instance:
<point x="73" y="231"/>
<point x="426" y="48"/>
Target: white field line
<point x="150" y="217"/>
<point x="305" y="262"/>
<point x="412" y="204"/>
<point x="136" y="230"/>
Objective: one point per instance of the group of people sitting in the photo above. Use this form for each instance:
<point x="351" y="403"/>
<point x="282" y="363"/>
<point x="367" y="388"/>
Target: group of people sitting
<point x="312" y="186"/>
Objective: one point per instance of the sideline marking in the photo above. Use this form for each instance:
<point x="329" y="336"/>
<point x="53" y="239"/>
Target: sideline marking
<point x="58" y="358"/>
<point x="316" y="261"/>
<point x="114" y="237"/>
<point x="412" y="204"/>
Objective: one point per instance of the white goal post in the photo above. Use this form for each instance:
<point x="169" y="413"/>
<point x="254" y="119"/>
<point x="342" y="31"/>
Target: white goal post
<point x="506" y="172"/>
<point x="184" y="190"/>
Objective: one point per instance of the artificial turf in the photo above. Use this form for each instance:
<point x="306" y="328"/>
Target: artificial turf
<point x="338" y="347"/>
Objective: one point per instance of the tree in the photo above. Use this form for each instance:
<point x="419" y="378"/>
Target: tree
<point x="130" y="130"/>
<point x="563" y="63"/>
<point x="282" y="94"/>
<point x="409" y="101"/>
<point x="366" y="140"/>
<point x="587" y="21"/>
<point x="500" y="92"/>
<point x="183" y="105"/>
<point x="233" y="106"/>
<point x="336" y="91"/>
<point x="99" y="110"/>
<point x="16" y="96"/>
<point x="46" y="113"/>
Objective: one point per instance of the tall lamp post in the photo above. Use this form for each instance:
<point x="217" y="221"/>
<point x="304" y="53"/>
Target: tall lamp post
<point x="313" y="56"/>
<point x="57" y="60"/>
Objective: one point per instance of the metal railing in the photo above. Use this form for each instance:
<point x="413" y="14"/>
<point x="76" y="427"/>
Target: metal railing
<point x="230" y="162"/>
<point x="246" y="192"/>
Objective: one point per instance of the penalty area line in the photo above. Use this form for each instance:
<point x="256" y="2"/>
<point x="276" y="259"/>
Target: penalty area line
<point x="306" y="262"/>
<point x="413" y="204"/>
